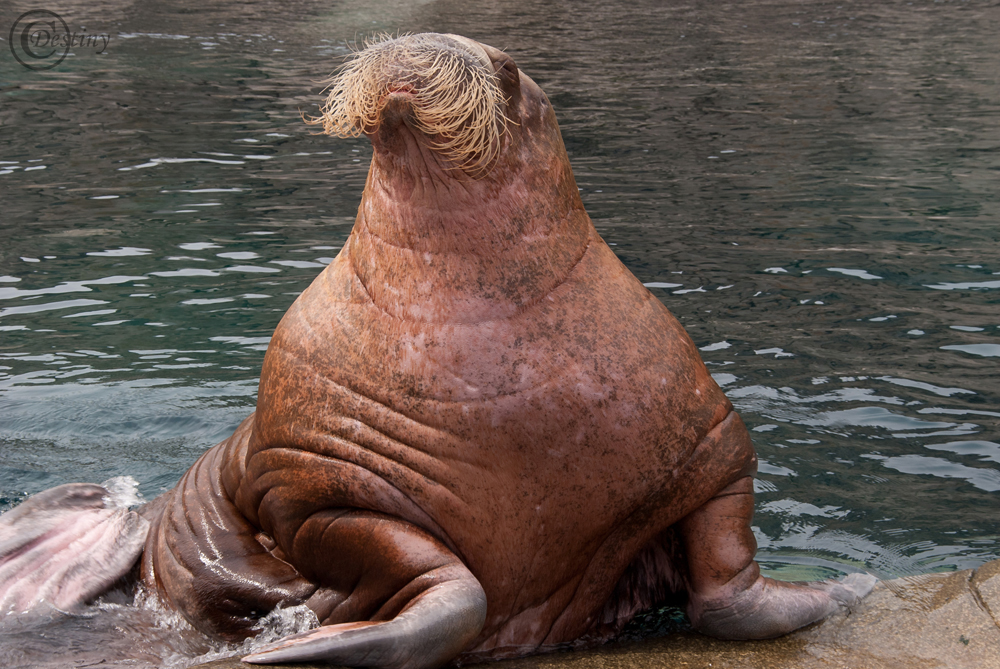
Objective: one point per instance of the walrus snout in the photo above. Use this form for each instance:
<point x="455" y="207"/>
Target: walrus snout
<point x="445" y="88"/>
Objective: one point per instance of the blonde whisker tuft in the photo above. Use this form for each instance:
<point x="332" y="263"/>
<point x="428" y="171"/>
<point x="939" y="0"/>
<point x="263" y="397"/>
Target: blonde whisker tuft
<point x="458" y="103"/>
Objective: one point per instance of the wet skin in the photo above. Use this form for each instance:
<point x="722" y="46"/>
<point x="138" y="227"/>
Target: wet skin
<point x="477" y="435"/>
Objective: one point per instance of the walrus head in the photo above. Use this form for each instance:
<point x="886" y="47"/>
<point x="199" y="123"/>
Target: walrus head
<point x="469" y="171"/>
<point x="444" y="87"/>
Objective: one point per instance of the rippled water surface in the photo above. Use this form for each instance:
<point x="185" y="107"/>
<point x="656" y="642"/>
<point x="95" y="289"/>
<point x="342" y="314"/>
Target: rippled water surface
<point x="811" y="187"/>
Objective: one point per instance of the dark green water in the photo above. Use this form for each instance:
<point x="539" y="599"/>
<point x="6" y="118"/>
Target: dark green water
<point x="811" y="187"/>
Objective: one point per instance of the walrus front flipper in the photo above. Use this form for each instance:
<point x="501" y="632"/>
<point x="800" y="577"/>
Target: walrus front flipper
<point x="393" y="596"/>
<point x="729" y="599"/>
<point x="64" y="546"/>
<point x="436" y="627"/>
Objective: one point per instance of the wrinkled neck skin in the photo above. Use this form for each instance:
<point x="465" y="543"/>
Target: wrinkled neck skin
<point x="436" y="245"/>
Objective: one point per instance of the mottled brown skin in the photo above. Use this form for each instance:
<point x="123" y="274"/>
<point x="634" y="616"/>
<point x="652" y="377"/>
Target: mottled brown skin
<point x="475" y="384"/>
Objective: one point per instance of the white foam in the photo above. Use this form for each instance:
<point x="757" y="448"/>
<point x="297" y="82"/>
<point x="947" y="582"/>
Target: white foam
<point x="123" y="492"/>
<point x="276" y="625"/>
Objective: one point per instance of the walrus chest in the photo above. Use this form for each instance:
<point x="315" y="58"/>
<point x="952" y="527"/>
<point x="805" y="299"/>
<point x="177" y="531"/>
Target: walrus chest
<point x="527" y="424"/>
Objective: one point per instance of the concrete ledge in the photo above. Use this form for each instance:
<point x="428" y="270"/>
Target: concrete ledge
<point x="932" y="621"/>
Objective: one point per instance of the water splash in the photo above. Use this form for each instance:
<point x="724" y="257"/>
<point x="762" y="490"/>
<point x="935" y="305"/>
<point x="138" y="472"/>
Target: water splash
<point x="123" y="492"/>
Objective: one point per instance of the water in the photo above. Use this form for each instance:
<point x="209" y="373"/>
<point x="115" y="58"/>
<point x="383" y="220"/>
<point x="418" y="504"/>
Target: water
<point x="809" y="186"/>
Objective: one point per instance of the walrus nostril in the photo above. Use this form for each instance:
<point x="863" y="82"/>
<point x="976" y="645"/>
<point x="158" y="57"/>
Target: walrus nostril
<point x="400" y="88"/>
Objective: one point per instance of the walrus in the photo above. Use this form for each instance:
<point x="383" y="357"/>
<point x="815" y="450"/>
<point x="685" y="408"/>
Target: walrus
<point x="477" y="434"/>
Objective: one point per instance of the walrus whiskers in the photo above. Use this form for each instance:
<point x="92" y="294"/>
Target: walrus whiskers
<point x="458" y="103"/>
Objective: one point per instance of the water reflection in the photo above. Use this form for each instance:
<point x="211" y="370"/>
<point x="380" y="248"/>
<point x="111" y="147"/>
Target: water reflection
<point x="982" y="478"/>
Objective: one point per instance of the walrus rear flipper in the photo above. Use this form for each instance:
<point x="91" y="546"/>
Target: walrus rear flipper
<point x="64" y="547"/>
